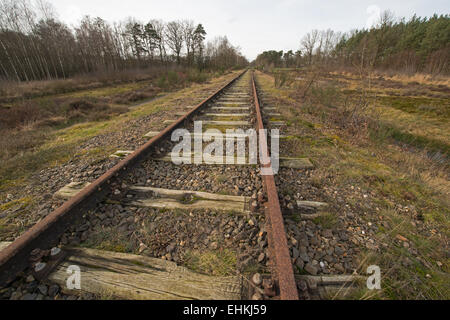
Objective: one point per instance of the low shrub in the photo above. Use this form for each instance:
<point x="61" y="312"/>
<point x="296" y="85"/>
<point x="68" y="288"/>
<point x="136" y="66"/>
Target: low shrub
<point x="197" y="76"/>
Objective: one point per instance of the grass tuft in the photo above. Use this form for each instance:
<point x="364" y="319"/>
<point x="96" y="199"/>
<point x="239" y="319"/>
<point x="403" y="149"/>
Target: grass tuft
<point x="216" y="263"/>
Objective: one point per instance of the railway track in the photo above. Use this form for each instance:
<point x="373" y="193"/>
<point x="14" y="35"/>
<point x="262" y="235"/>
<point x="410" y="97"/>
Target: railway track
<point x="210" y="220"/>
<point x="149" y="211"/>
<point x="321" y="272"/>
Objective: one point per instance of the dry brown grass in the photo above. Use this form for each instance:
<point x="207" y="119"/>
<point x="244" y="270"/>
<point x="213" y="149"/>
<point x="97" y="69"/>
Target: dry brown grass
<point x="398" y="174"/>
<point x="11" y="91"/>
<point x="133" y="97"/>
<point x="421" y="78"/>
<point x="31" y="110"/>
<point x="402" y="84"/>
<point x="32" y="114"/>
<point x="434" y="174"/>
<point x="25" y="126"/>
<point x="217" y="263"/>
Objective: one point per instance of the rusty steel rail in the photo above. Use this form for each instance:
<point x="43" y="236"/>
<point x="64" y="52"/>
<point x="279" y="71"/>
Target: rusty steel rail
<point x="45" y="234"/>
<point x="278" y="238"/>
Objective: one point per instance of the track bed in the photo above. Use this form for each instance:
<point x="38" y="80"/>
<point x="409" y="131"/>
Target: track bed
<point x="195" y="221"/>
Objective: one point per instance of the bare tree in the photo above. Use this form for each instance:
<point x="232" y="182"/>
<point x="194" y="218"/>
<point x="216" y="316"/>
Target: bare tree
<point x="160" y="28"/>
<point x="35" y="45"/>
<point x="309" y="43"/>
<point x="221" y="54"/>
<point x="174" y="38"/>
<point x="188" y="30"/>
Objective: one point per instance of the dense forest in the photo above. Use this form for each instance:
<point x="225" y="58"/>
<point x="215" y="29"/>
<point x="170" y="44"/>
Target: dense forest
<point x="35" y="45"/>
<point x="414" y="45"/>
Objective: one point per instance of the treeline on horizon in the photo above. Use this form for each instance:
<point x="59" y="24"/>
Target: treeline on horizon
<point x="410" y="46"/>
<point x="35" y="45"/>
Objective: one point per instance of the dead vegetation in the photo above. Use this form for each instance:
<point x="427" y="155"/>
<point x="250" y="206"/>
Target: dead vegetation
<point x="396" y="148"/>
<point x="11" y="91"/>
<point x="143" y="81"/>
<point x="32" y="111"/>
<point x="28" y="124"/>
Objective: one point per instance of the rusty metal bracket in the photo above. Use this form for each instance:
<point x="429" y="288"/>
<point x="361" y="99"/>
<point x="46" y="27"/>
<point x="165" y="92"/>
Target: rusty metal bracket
<point x="43" y="265"/>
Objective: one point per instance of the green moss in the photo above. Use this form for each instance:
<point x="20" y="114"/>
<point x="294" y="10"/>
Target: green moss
<point x="23" y="202"/>
<point x="304" y="123"/>
<point x="8" y="229"/>
<point x="99" y="92"/>
<point x="61" y="145"/>
<point x="424" y="106"/>
<point x="312" y="141"/>
<point x="15" y="170"/>
<point x="224" y="193"/>
<point x="109" y="239"/>
<point x="221" y="178"/>
<point x="229" y="118"/>
<point x="219" y="127"/>
<point x="386" y="131"/>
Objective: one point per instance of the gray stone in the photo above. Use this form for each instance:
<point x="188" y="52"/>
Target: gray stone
<point x="32" y="286"/>
<point x="53" y="290"/>
<point x="263" y="243"/>
<point x="84" y="236"/>
<point x="214" y="246"/>
<point x="304" y="296"/>
<point x="261" y="257"/>
<point x="83" y="227"/>
<point x="315" y="241"/>
<point x="295" y="253"/>
<point x="311" y="269"/>
<point x="304" y="256"/>
<point x="247" y="262"/>
<point x="257" y="296"/>
<point x="304" y="242"/>
<point x="339" y="267"/>
<point x="257" y="279"/>
<point x="269" y="287"/>
<point x="6" y="294"/>
<point x="299" y="263"/>
<point x="302" y="286"/>
<point x="170" y="248"/>
<point x="327" y="233"/>
<point x="43" y="289"/>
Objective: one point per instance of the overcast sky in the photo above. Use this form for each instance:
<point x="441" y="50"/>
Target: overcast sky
<point x="253" y="25"/>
